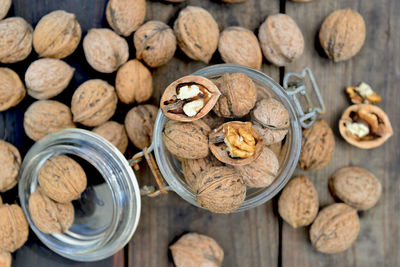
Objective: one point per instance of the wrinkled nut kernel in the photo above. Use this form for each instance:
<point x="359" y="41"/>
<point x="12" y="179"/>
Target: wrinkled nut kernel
<point x="281" y="40"/>
<point x="197" y="33"/>
<point x="196" y="250"/>
<point x="365" y="126"/>
<point x="335" y="229"/>
<point x="94" y="102"/>
<point x="46" y="116"/>
<point x="189" y="98"/>
<point x="57" y="35"/>
<point x="47" y="77"/>
<point x="356" y="187"/>
<point x="362" y="94"/>
<point x="220" y="189"/>
<point x="5" y="256"/>
<point x="191" y="168"/>
<point x="139" y="124"/>
<point x="104" y="50"/>
<point x="133" y="82"/>
<point x="238" y="45"/>
<point x="342" y="34"/>
<point x="114" y="133"/>
<point x="4" y="8"/>
<point x="298" y="203"/>
<point x="155" y="43"/>
<point x="15" y="40"/>
<point x="10" y="162"/>
<point x="317" y="146"/>
<point x="50" y="217"/>
<point x="14" y="228"/>
<point x="125" y="16"/>
<point x="12" y="90"/>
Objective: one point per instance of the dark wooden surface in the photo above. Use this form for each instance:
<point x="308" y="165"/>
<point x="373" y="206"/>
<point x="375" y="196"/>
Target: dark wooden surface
<point x="256" y="237"/>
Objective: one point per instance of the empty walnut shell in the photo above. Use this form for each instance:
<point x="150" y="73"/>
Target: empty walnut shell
<point x="196" y="250"/>
<point x="342" y="34"/>
<point x="192" y="168"/>
<point x="115" y="133"/>
<point x="5" y="256"/>
<point x="57" y="35"/>
<point x="94" y="102"/>
<point x="155" y="43"/>
<point x="47" y="77"/>
<point x="197" y="33"/>
<point x="14" y="228"/>
<point x="12" y="90"/>
<point x="281" y="39"/>
<point x="335" y="229"/>
<point x="298" y="203"/>
<point x="220" y="189"/>
<point x="4" y="8"/>
<point x="15" y="40"/>
<point x="10" y="162"/>
<point x="356" y="187"/>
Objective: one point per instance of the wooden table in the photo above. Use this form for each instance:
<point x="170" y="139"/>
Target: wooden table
<point x="257" y="237"/>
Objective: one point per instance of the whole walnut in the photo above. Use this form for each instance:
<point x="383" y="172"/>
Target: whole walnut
<point x="238" y="45"/>
<point x="197" y="33"/>
<point x="57" y="35"/>
<point x="133" y="82"/>
<point x="62" y="179"/>
<point x="14" y="228"/>
<point x="342" y="34"/>
<point x="46" y="116"/>
<point x="335" y="229"/>
<point x="94" y="102"/>
<point x="238" y="95"/>
<point x="298" y="203"/>
<point x="50" y="217"/>
<point x="12" y="90"/>
<point x="104" y="50"/>
<point x="155" y="43"/>
<point x="15" y="40"/>
<point x="115" y="133"/>
<point x="281" y="39"/>
<point x="10" y="162"/>
<point x="196" y="250"/>
<point x="47" y="77"/>
<point x="4" y="8"/>
<point x="5" y="256"/>
<point x="356" y="187"/>
<point x="191" y="168"/>
<point x="139" y="124"/>
<point x="125" y="16"/>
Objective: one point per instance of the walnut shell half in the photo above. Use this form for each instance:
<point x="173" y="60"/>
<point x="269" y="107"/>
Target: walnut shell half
<point x="10" y="162"/>
<point x="4" y="8"/>
<point x="12" y="90"/>
<point x="115" y="133"/>
<point x="14" y="228"/>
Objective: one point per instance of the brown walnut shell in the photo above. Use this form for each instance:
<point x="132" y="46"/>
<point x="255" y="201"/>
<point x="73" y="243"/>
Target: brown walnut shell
<point x="5" y="256"/>
<point x="10" y="162"/>
<point x="115" y="133"/>
<point x="12" y="90"/>
<point x="57" y="35"/>
<point x="335" y="229"/>
<point x="4" y="8"/>
<point x="192" y="168"/>
<point x="125" y="16"/>
<point x="342" y="34"/>
<point x="14" y="228"/>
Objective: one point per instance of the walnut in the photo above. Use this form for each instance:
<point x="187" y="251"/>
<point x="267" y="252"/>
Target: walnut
<point x="133" y="82"/>
<point x="94" y="102"/>
<point x="104" y="50"/>
<point x="4" y="8"/>
<point x="191" y="168"/>
<point x="12" y="90"/>
<point x="125" y="16"/>
<point x="342" y="34"/>
<point x="5" y="256"/>
<point x="298" y="203"/>
<point x="14" y="228"/>
<point x="356" y="187"/>
<point x="15" y="40"/>
<point x="317" y="146"/>
<point x="47" y="77"/>
<point x="57" y="35"/>
<point x="155" y="43"/>
<point x="197" y="33"/>
<point x="212" y="120"/>
<point x="196" y="250"/>
<point x="114" y="133"/>
<point x="139" y="123"/>
<point x="189" y="98"/>
<point x="365" y="126"/>
<point x="238" y="45"/>
<point x="10" y="162"/>
<point x="335" y="229"/>
<point x="239" y="95"/>
<point x="46" y="116"/>
<point x="281" y="39"/>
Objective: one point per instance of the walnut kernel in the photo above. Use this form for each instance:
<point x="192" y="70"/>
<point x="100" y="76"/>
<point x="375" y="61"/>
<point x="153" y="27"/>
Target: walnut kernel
<point x="10" y="162"/>
<point x="12" y="90"/>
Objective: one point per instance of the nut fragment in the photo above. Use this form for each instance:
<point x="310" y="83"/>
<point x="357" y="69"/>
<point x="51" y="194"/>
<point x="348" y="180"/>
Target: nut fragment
<point x="12" y="90"/>
<point x="192" y="168"/>
<point x="10" y="162"/>
<point x="14" y="228"/>
<point x="5" y="256"/>
<point x="115" y="133"/>
<point x="362" y="94"/>
<point x="4" y="8"/>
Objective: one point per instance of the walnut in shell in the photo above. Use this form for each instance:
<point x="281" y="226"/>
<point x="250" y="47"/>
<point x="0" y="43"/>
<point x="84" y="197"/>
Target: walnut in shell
<point x="335" y="229"/>
<point x="238" y="45"/>
<point x="192" y="168"/>
<point x="14" y="228"/>
<point x="197" y="33"/>
<point x="12" y="90"/>
<point x="57" y="35"/>
<point x="4" y="8"/>
<point x="15" y="40"/>
<point x="155" y="43"/>
<point x="342" y="34"/>
<point x="196" y="250"/>
<point x="5" y="256"/>
<point x="114" y="133"/>
<point x="125" y="16"/>
<point x="10" y="162"/>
